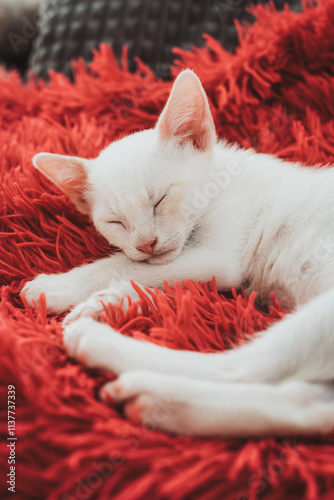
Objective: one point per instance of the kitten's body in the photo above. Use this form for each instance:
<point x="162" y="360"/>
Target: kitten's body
<point x="193" y="209"/>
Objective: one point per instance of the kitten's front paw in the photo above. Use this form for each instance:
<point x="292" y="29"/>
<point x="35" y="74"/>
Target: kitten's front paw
<point x="59" y="292"/>
<point x="116" y="294"/>
<point x="91" y="343"/>
<point x="76" y="334"/>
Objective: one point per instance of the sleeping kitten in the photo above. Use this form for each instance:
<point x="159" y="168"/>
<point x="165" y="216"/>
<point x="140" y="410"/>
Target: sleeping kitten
<point x="182" y="206"/>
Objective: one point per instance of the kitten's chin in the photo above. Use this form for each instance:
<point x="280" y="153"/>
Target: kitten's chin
<point x="164" y="258"/>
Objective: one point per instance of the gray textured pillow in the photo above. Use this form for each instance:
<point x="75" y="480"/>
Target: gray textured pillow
<point x="70" y="29"/>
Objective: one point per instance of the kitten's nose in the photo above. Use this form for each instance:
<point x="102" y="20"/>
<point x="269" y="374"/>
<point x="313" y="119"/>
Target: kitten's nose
<point x="147" y="247"/>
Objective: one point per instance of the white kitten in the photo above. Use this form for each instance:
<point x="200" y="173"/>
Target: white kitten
<point x="182" y="206"/>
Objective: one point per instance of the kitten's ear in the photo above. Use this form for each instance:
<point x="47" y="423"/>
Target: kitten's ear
<point x="187" y="116"/>
<point x="68" y="173"/>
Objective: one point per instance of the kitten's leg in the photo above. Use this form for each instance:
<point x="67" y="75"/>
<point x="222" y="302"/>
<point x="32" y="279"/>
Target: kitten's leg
<point x="75" y="286"/>
<point x="97" y="345"/>
<point x="300" y="346"/>
<point x="189" y="406"/>
<point x="71" y="288"/>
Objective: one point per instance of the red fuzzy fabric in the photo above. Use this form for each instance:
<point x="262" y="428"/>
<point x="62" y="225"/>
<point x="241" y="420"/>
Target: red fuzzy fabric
<point x="275" y="94"/>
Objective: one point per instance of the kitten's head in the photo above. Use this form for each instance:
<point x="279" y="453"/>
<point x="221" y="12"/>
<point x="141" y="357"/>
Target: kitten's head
<point x="139" y="190"/>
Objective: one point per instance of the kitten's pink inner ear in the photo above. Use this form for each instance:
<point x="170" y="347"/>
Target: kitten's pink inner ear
<point x="68" y="173"/>
<point x="187" y="116"/>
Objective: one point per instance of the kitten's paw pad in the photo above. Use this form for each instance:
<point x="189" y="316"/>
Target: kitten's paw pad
<point x="117" y="294"/>
<point x="141" y="411"/>
<point x="90" y="308"/>
<point x="147" y="400"/>
<point x="130" y="384"/>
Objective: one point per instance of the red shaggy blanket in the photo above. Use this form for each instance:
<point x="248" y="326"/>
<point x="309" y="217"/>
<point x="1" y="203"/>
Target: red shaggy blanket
<point x="275" y="94"/>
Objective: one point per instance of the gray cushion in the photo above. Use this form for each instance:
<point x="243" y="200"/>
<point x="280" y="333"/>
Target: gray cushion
<point x="70" y="29"/>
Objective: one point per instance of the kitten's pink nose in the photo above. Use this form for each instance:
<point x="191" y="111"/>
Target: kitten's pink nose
<point x="147" y="247"/>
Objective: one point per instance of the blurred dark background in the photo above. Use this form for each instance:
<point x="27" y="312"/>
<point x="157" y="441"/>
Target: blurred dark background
<point x="48" y="34"/>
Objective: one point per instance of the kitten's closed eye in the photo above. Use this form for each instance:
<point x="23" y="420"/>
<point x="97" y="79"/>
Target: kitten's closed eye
<point x="161" y="199"/>
<point x="115" y="222"/>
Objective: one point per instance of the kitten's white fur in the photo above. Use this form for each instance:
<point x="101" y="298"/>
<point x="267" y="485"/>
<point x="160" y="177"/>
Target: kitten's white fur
<point x="203" y="209"/>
